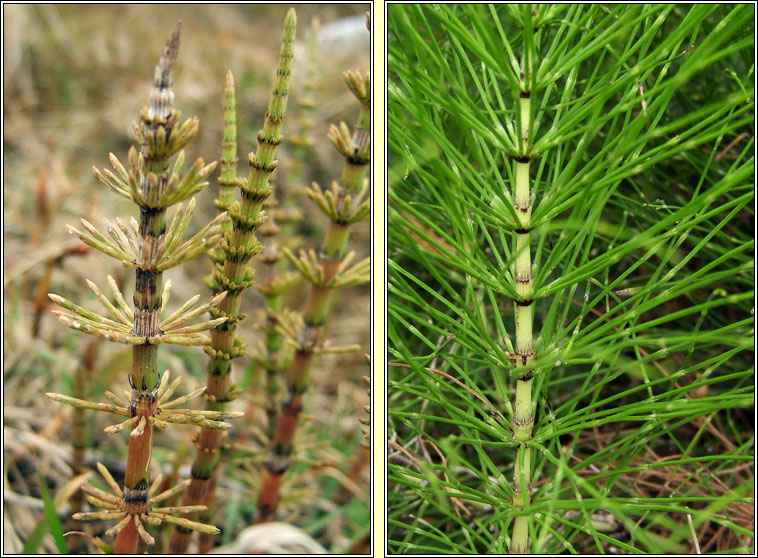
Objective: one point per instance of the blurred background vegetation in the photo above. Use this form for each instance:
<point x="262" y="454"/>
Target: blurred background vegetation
<point x="75" y="76"/>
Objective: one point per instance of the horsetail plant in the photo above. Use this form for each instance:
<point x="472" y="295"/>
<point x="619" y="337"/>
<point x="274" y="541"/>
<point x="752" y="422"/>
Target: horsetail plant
<point x="233" y="275"/>
<point x="275" y="283"/>
<point x="227" y="186"/>
<point x="288" y="211"/>
<point x="271" y="354"/>
<point x="588" y="170"/>
<point x="345" y="204"/>
<point x="523" y="273"/>
<point x="149" y="247"/>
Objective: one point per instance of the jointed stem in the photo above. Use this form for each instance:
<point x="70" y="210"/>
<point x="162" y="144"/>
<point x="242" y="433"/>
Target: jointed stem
<point x="149" y="247"/>
<point x="232" y="274"/>
<point x="356" y="150"/>
<point x="147" y="296"/>
<point x="523" y="417"/>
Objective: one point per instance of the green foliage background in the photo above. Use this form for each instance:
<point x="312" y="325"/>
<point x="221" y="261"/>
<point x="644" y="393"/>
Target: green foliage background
<point x="643" y="180"/>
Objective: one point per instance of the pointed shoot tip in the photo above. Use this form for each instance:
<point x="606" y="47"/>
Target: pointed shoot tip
<point x="291" y="18"/>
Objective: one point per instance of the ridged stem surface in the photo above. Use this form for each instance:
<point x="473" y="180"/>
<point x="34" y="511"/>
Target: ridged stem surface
<point x="227" y="188"/>
<point x="234" y="276"/>
<point x="320" y="298"/>
<point x="523" y="417"/>
<point x="144" y="379"/>
<point x="271" y="286"/>
<point x="150" y="247"/>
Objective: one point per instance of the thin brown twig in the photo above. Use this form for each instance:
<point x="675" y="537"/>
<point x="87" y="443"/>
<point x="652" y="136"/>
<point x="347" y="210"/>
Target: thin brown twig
<point x="456" y="501"/>
<point x="415" y="460"/>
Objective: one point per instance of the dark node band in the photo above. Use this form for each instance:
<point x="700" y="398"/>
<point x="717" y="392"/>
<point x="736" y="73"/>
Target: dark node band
<point x="527" y="302"/>
<point x="289" y="408"/>
<point x="269" y="141"/>
<point x="271" y="167"/>
<point x="200" y="475"/>
<point x="315" y="323"/>
<point x="147" y="212"/>
<point x="522" y="159"/>
<point x="147" y="274"/>
<point x="256" y="196"/>
<point x="525" y="94"/>
<point x="277" y="469"/>
<point x="360" y="160"/>
<point x="275" y="119"/>
<point x="278" y="463"/>
<point x="527" y="422"/>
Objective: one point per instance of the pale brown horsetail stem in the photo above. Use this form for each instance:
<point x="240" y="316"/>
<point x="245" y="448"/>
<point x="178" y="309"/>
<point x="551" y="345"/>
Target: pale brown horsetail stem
<point x="272" y="286"/>
<point x="345" y="203"/>
<point x="150" y="247"/>
<point x="233" y="275"/>
<point x="227" y="186"/>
